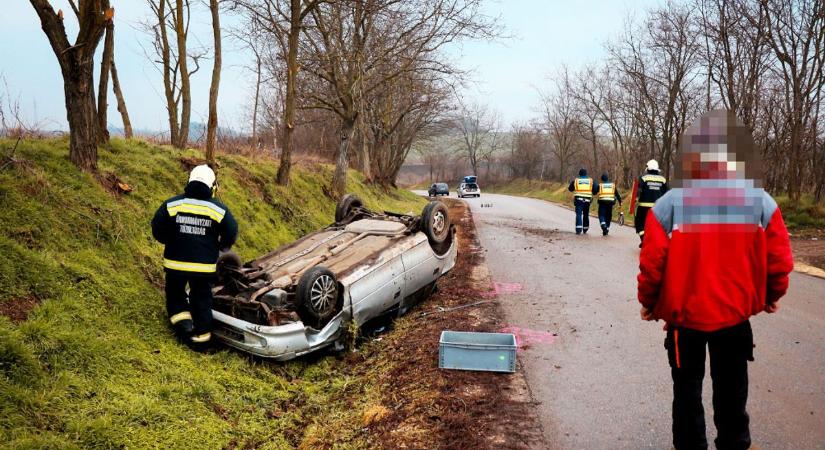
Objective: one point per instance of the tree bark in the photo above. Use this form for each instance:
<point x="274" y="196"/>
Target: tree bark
<point x="339" y="179"/>
<point x="168" y="83"/>
<point x="121" y="103"/>
<point x="212" y="122"/>
<point x="289" y="101"/>
<point x="186" y="95"/>
<point x="81" y="113"/>
<point x="103" y="86"/>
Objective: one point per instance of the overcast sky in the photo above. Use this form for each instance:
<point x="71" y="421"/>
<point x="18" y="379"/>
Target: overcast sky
<point x="546" y="35"/>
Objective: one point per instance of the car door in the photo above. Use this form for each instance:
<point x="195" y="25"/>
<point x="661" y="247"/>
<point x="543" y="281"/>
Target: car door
<point x="378" y="291"/>
<point x="421" y="267"/>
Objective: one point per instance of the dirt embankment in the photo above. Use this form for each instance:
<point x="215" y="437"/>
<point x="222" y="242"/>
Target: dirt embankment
<point x="427" y="407"/>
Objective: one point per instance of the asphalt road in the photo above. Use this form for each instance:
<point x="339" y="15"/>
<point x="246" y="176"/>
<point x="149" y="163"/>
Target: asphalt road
<point x="603" y="380"/>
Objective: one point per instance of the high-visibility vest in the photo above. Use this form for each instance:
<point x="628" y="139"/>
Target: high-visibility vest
<point x="607" y="192"/>
<point x="583" y="187"/>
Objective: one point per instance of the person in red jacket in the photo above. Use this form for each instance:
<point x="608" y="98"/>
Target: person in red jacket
<point x="715" y="253"/>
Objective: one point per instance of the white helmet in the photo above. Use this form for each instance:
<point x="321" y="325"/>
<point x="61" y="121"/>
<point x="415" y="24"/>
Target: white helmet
<point x="652" y="165"/>
<point x="204" y="174"/>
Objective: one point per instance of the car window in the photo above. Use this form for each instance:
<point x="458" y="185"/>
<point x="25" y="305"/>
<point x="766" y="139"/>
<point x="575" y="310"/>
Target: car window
<point x="441" y="185"/>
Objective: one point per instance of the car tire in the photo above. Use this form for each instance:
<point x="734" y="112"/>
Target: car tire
<point x="318" y="296"/>
<point x="226" y="262"/>
<point x="435" y="222"/>
<point x="345" y="206"/>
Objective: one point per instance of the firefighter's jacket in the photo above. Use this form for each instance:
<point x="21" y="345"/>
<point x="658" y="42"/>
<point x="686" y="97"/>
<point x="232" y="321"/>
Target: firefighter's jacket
<point x="582" y="188"/>
<point x="194" y="227"/>
<point x="647" y="189"/>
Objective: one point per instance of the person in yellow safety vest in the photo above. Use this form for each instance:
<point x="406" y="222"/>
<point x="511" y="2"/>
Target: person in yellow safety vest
<point x="646" y="190"/>
<point x="194" y="227"/>
<point x="606" y="195"/>
<point x="582" y="189"/>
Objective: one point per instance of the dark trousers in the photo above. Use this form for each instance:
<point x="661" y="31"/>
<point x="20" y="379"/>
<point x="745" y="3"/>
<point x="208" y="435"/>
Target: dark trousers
<point x="198" y="303"/>
<point x="639" y="220"/>
<point x="730" y="350"/>
<point x="605" y="215"/>
<point x="582" y="215"/>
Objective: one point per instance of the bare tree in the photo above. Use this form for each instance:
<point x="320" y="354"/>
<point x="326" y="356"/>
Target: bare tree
<point x="478" y="126"/>
<point x="103" y="83"/>
<point x="121" y="103"/>
<point x="212" y="121"/>
<point x="562" y="123"/>
<point x="77" y="67"/>
<point x="796" y="34"/>
<point x="356" y="48"/>
<point x="172" y="57"/>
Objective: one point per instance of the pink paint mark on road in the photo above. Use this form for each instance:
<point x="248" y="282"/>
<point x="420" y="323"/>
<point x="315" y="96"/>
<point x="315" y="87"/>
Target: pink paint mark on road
<point x="502" y="288"/>
<point x="526" y="337"/>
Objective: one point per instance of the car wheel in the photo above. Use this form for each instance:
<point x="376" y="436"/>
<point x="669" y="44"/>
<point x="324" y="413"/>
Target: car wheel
<point x="228" y="264"/>
<point x="346" y="205"/>
<point x="435" y="221"/>
<point x="317" y="295"/>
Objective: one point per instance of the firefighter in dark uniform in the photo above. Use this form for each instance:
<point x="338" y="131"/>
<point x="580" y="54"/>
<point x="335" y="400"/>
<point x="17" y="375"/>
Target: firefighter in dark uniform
<point x="193" y="227"/>
<point x="606" y="195"/>
<point x="582" y="189"/>
<point x="647" y="189"/>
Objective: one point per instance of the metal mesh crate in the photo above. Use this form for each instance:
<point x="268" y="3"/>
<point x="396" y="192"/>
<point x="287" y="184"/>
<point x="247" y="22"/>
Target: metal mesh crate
<point x="463" y="350"/>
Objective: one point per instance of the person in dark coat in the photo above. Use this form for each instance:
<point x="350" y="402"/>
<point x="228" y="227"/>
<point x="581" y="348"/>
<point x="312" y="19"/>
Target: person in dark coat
<point x="607" y="194"/>
<point x="582" y="187"/>
<point x="194" y="227"/>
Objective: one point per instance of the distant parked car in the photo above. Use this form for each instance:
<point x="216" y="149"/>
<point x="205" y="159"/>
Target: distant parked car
<point x="439" y="189"/>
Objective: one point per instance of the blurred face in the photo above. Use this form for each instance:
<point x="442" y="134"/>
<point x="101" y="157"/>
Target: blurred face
<point x="712" y="164"/>
<point x="718" y="146"/>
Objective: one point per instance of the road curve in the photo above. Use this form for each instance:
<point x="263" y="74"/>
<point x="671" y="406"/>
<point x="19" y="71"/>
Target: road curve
<point x="603" y="381"/>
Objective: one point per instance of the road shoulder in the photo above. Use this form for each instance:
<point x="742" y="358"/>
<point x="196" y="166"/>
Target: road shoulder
<point x="422" y="406"/>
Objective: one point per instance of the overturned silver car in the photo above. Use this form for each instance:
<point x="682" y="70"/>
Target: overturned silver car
<point x="300" y="297"/>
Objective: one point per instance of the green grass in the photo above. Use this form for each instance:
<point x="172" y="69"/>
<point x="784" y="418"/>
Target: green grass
<point x="802" y="216"/>
<point x="95" y="365"/>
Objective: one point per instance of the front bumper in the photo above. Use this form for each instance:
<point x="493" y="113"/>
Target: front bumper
<point x="281" y="342"/>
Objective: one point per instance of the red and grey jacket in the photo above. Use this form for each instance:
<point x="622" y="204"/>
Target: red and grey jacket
<point x="715" y="252"/>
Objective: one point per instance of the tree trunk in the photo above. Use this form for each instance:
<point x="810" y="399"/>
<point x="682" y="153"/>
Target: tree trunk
<point x="121" y="103"/>
<point x="186" y="95"/>
<point x="212" y="122"/>
<point x="289" y="101"/>
<point x="339" y="179"/>
<point x="168" y="84"/>
<point x="81" y="113"/>
<point x="255" y="105"/>
<point x="103" y="86"/>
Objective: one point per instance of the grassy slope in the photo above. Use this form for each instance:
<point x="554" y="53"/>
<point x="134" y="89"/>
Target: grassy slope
<point x="799" y="217"/>
<point x="95" y="365"/>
